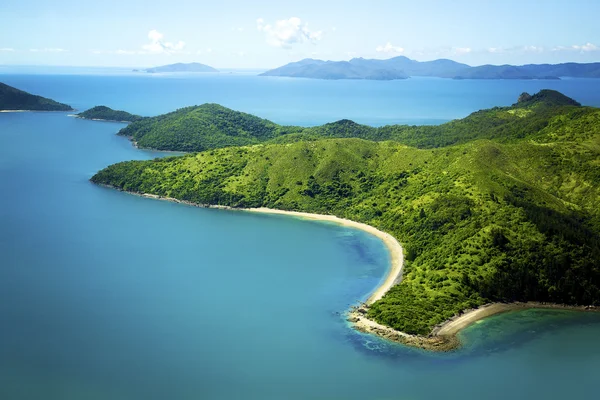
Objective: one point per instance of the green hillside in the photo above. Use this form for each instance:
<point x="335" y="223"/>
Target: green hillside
<point x="14" y="99"/>
<point x="212" y="126"/>
<point x="202" y="127"/>
<point x="510" y="216"/>
<point x="108" y="114"/>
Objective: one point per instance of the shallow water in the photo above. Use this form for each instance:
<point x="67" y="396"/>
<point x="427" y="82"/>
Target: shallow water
<point x="109" y="295"/>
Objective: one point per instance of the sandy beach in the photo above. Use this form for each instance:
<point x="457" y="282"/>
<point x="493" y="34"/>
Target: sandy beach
<point x="394" y="248"/>
<point x="444" y="336"/>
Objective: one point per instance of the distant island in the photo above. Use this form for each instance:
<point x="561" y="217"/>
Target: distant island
<point x="104" y="113"/>
<point x="181" y="67"/>
<point x="13" y="99"/>
<point x="497" y="207"/>
<point x="403" y="67"/>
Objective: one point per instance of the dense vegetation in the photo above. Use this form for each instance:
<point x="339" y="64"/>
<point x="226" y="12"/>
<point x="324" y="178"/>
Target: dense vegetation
<point x="502" y="206"/>
<point x="201" y="128"/>
<point x="14" y="99"/>
<point x="213" y="126"/>
<point x="108" y="114"/>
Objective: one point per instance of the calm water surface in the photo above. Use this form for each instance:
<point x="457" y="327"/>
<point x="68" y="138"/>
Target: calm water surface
<point x="105" y="295"/>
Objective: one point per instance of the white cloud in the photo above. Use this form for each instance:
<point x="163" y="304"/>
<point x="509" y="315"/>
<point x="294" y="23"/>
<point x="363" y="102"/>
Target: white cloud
<point x="586" y="47"/>
<point x="389" y="48"/>
<point x="121" y="51"/>
<point x="461" y="50"/>
<point x="6" y="49"/>
<point x="496" y="50"/>
<point x="533" y="49"/>
<point x="48" y="50"/>
<point x="157" y="45"/>
<point x="287" y="32"/>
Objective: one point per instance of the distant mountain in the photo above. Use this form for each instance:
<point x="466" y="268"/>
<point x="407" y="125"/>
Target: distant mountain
<point x="532" y="71"/>
<point x="357" y="68"/>
<point x="108" y="114"/>
<point x="14" y="99"/>
<point x="403" y="67"/>
<point x="181" y="67"/>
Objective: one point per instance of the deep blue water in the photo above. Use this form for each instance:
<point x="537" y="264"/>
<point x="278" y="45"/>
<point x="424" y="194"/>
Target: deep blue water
<point x="105" y="295"/>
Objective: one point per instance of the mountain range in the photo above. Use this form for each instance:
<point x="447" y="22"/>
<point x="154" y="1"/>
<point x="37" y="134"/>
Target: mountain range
<point x="403" y="67"/>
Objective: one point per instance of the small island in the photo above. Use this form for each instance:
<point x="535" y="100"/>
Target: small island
<point x="13" y="99"/>
<point x="484" y="206"/>
<point x="103" y="113"/>
<point x="182" y="67"/>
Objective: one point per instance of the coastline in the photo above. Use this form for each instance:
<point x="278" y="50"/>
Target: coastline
<point x="444" y="337"/>
<point x="98" y="119"/>
<point x="19" y="111"/>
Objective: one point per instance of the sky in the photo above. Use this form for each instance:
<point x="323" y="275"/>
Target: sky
<point x="266" y="34"/>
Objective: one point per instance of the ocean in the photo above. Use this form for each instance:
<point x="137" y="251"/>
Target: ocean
<point x="106" y="295"/>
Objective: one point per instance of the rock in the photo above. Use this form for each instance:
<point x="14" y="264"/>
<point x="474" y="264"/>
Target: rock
<point x="524" y="97"/>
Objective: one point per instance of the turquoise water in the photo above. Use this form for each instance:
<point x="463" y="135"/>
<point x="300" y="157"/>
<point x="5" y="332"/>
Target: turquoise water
<point x="105" y="295"/>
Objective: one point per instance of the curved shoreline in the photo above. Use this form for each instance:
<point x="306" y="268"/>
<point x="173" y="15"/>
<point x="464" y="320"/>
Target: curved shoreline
<point x="396" y="255"/>
<point x="443" y="337"/>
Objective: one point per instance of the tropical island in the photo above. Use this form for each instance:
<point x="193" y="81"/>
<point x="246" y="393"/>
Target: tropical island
<point x="103" y="113"/>
<point x="498" y="207"/>
<point x="182" y="67"/>
<point x="403" y="67"/>
<point x="13" y="99"/>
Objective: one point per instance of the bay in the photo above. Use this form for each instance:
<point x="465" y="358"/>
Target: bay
<point x="109" y="295"/>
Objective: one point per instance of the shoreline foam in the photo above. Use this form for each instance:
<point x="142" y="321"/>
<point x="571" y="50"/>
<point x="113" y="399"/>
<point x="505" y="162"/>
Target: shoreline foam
<point x="443" y="337"/>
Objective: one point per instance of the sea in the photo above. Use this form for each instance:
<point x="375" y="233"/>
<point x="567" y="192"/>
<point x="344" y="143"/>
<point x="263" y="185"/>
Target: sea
<point x="106" y="295"/>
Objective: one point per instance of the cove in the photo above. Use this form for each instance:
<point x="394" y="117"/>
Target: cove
<point x="107" y="295"/>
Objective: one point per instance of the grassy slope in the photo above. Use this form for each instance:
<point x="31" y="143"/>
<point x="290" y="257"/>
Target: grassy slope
<point x="108" y="114"/>
<point x="14" y="99"/>
<point x="199" y="128"/>
<point x="211" y="126"/>
<point x="483" y="220"/>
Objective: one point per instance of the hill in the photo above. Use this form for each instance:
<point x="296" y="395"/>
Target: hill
<point x="200" y="128"/>
<point x="182" y="67"/>
<point x="502" y="216"/>
<point x="336" y="70"/>
<point x="210" y="126"/>
<point x="108" y="114"/>
<point x="14" y="99"/>
<point x="403" y="67"/>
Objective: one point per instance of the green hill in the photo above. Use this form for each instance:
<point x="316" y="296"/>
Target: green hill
<point x="14" y="99"/>
<point x="108" y="114"/>
<point x="202" y="127"/>
<point x="212" y="126"/>
<point x="510" y="214"/>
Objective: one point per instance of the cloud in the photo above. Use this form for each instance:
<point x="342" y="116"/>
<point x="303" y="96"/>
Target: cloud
<point x="287" y="32"/>
<point x="389" y="48"/>
<point x="586" y="47"/>
<point x="157" y="45"/>
<point x="8" y="49"/>
<point x="48" y="50"/>
<point x="461" y="50"/>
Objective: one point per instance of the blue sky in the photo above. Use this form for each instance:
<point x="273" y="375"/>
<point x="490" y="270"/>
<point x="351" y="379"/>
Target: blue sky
<point x="265" y="34"/>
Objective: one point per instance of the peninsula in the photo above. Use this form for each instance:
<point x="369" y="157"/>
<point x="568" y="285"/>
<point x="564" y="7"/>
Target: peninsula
<point x="103" y="113"/>
<point x="499" y="207"/>
<point x="13" y="99"/>
<point x="403" y="67"/>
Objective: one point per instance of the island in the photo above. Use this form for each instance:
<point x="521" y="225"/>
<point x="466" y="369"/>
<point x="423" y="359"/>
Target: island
<point x="498" y="208"/>
<point x="13" y="99"/>
<point x="103" y="113"/>
<point x="182" y="67"/>
<point x="402" y="67"/>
